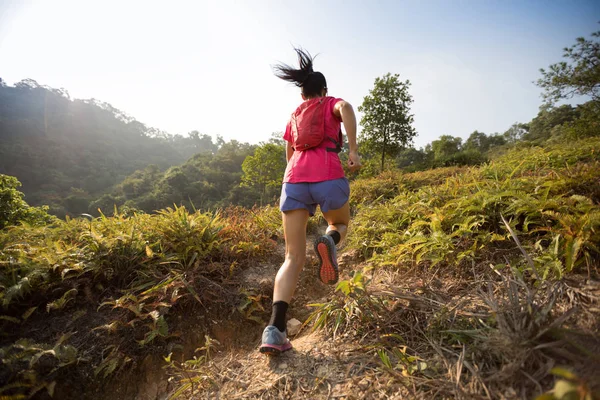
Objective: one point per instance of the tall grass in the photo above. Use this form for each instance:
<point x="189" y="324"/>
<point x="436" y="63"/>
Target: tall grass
<point x="133" y="269"/>
<point x="449" y="219"/>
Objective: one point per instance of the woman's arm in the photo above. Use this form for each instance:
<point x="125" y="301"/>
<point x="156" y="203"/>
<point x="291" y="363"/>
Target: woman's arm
<point x="345" y="112"/>
<point x="289" y="150"/>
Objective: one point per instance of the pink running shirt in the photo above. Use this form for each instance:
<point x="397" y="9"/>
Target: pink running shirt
<point x="316" y="164"/>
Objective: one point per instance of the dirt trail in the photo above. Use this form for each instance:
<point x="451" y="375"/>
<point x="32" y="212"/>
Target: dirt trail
<point x="309" y="289"/>
<point x="316" y="367"/>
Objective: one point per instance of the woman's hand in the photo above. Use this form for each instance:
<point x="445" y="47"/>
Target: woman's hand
<point x="354" y="161"/>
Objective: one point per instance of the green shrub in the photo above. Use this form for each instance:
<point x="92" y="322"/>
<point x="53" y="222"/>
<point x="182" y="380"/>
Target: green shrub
<point x="446" y="217"/>
<point x="14" y="210"/>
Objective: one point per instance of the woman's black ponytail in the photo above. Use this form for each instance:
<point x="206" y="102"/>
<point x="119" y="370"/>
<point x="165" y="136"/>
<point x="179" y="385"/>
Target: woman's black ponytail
<point x="311" y="82"/>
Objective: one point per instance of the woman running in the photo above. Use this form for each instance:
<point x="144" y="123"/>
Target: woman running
<point x="313" y="176"/>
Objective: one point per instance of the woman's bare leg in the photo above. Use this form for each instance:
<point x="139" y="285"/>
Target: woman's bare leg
<point x="294" y="230"/>
<point x="338" y="220"/>
<point x="325" y="245"/>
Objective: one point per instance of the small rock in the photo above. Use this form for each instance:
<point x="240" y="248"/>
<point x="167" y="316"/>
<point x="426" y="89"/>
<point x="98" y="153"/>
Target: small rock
<point x="293" y="326"/>
<point x="283" y="366"/>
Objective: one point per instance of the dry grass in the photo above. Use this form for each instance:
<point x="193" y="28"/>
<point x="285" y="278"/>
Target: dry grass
<point x="493" y="336"/>
<point x="425" y="335"/>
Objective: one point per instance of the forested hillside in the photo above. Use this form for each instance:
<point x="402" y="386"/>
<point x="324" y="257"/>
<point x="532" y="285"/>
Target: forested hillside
<point x="67" y="152"/>
<point x="205" y="181"/>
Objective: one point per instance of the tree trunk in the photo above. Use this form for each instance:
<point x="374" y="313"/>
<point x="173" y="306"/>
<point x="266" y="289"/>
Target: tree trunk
<point x="383" y="149"/>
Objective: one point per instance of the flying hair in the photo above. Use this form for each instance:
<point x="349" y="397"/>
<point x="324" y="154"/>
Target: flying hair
<point x="311" y="82"/>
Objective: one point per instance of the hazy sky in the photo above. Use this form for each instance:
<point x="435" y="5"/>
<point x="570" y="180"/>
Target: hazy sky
<point x="206" y="65"/>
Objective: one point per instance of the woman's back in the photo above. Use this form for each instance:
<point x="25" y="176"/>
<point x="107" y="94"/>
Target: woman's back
<point x="317" y="164"/>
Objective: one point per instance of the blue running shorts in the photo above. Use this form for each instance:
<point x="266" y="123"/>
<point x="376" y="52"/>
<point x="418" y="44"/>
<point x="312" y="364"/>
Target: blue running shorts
<point x="329" y="195"/>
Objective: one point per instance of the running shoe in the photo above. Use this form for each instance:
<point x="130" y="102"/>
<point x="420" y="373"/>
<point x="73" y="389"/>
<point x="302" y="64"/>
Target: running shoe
<point x="328" y="266"/>
<point x="274" y="341"/>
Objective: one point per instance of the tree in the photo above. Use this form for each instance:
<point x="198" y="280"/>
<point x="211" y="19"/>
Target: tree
<point x="448" y="150"/>
<point x="476" y="141"/>
<point x="411" y="158"/>
<point x="277" y="138"/>
<point x="14" y="210"/>
<point x="387" y="121"/>
<point x="578" y="77"/>
<point x="515" y="132"/>
<point x="481" y="142"/>
<point x="445" y="146"/>
<point x="540" y="128"/>
<point x="202" y="143"/>
<point x="264" y="170"/>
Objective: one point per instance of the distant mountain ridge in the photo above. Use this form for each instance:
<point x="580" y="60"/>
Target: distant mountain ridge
<point x="67" y="152"/>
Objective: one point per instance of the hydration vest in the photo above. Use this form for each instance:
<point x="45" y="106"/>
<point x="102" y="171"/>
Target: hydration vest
<point x="308" y="126"/>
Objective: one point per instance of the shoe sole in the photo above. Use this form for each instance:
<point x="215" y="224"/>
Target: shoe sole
<point x="328" y="270"/>
<point x="272" y="350"/>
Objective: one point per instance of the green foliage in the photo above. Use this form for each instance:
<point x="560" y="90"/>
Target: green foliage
<point x="387" y="122"/>
<point x="24" y="359"/>
<point x="445" y="146"/>
<point x="53" y="143"/>
<point x="112" y="360"/>
<point x="419" y="332"/>
<point x="431" y="177"/>
<point x="411" y="159"/>
<point x="587" y="123"/>
<point x="120" y="250"/>
<point x="191" y="236"/>
<point x="482" y="143"/>
<point x="438" y="217"/>
<point x="372" y="167"/>
<point x="407" y="365"/>
<point x="264" y="170"/>
<point x="205" y="181"/>
<point x="580" y="76"/>
<point x="383" y="187"/>
<point x="352" y="307"/>
<point x="515" y="132"/>
<point x="14" y="210"/>
<point x="576" y="231"/>
<point x="464" y="157"/>
<point x="191" y="374"/>
<point x="447" y="150"/>
<point x="251" y="305"/>
<point x="255" y="241"/>
<point x="138" y="268"/>
<point x="548" y="121"/>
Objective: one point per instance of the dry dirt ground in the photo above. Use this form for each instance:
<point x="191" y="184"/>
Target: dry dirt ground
<point x="316" y="368"/>
<point x="319" y="367"/>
